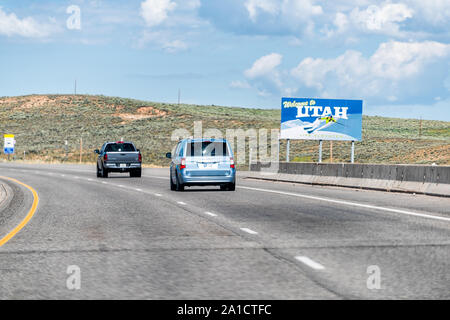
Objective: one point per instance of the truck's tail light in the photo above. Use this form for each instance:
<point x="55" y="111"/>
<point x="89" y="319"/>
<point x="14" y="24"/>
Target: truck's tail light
<point x="105" y="157"/>
<point x="140" y="157"/>
<point x="231" y="163"/>
<point x="183" y="163"/>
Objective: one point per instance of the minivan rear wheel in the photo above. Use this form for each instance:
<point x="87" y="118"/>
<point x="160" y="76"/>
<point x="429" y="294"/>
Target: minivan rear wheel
<point x="173" y="186"/>
<point x="228" y="187"/>
<point x="179" y="186"/>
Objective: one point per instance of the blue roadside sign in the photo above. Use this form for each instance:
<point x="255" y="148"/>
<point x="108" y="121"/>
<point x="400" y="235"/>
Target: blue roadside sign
<point x="321" y="119"/>
<point x="9" y="144"/>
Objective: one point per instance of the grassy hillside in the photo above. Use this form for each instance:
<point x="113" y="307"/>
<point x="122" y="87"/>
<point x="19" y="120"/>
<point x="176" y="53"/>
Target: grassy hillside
<point x="42" y="123"/>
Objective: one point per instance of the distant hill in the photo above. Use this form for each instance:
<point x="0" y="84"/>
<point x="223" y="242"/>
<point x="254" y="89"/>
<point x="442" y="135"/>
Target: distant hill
<point x="42" y="124"/>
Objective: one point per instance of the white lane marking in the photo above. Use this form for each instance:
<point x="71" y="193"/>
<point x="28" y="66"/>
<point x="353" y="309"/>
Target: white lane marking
<point x="63" y="175"/>
<point x="157" y="177"/>
<point x="182" y="203"/>
<point x="137" y="189"/>
<point x="104" y="182"/>
<point x="310" y="263"/>
<point x="348" y="203"/>
<point x="75" y="177"/>
<point x="158" y="194"/>
<point x="210" y="214"/>
<point x="90" y="179"/>
<point x="121" y="186"/>
<point x="249" y="231"/>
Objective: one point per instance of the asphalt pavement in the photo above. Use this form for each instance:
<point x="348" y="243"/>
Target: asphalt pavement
<point x="133" y="238"/>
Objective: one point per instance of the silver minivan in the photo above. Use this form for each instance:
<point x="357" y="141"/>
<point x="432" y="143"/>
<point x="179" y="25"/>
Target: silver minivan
<point x="202" y="162"/>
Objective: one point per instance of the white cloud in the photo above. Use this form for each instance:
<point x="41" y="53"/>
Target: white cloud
<point x="264" y="66"/>
<point x="11" y="25"/>
<point x="191" y="4"/>
<point x="174" y="46"/>
<point x="300" y="9"/>
<point x="397" y="60"/>
<point x="254" y="6"/>
<point x="240" y="84"/>
<point x="162" y="40"/>
<point x="435" y="12"/>
<point x="384" y="18"/>
<point x="156" y="12"/>
<point x="265" y="77"/>
<point x="353" y="74"/>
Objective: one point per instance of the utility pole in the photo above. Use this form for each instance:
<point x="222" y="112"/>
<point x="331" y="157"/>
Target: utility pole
<point x="179" y="96"/>
<point x="420" y="127"/>
<point x="75" y="87"/>
<point x="288" y="146"/>
<point x="320" y="151"/>
<point x="352" y="156"/>
<point x="66" y="149"/>
<point x="331" y="151"/>
<point x="81" y="149"/>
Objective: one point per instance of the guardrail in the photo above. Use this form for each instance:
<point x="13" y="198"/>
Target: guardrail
<point x="426" y="179"/>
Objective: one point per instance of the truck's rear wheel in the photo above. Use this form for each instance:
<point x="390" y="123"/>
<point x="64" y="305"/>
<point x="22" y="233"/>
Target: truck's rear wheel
<point x="136" y="173"/>
<point x="104" y="172"/>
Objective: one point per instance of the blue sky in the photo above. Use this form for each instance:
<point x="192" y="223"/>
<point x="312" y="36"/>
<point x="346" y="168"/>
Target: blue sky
<point x="394" y="55"/>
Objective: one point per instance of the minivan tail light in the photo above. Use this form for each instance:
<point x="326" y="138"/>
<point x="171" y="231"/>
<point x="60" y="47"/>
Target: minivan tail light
<point x="231" y="163"/>
<point x="183" y="163"/>
<point x="105" y="157"/>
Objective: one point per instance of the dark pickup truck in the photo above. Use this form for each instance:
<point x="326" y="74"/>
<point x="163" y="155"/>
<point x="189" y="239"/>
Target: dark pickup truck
<point x="119" y="156"/>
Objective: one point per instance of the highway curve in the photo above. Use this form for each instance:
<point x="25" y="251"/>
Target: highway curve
<point x="133" y="238"/>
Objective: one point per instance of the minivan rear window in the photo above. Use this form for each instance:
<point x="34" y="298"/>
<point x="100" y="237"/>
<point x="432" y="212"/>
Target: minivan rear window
<point x="207" y="149"/>
<point x="119" y="147"/>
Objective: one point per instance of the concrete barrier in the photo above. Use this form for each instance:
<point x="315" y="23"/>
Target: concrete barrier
<point x="422" y="179"/>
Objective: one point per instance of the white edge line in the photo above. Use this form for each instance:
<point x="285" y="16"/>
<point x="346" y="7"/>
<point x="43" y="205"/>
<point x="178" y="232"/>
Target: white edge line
<point x="210" y="214"/>
<point x="182" y="203"/>
<point x="310" y="263"/>
<point x="249" y="231"/>
<point x="368" y="206"/>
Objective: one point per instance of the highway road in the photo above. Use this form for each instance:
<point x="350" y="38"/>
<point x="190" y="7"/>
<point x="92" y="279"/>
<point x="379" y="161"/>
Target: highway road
<point x="133" y="238"/>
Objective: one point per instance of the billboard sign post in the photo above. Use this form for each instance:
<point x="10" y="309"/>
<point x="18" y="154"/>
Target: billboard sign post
<point x="321" y="119"/>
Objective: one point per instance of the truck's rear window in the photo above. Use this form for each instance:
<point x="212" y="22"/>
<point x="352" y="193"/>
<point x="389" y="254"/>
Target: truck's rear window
<point x="207" y="149"/>
<point x="119" y="147"/>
